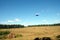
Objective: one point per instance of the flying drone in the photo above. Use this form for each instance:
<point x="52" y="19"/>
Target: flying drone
<point x="37" y="15"/>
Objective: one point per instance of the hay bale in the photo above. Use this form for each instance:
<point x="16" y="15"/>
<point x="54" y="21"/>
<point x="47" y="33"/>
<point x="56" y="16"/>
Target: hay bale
<point x="37" y="38"/>
<point x="58" y="37"/>
<point x="46" y="38"/>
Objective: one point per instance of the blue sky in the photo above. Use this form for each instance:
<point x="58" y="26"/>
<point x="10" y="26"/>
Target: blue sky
<point x="24" y="11"/>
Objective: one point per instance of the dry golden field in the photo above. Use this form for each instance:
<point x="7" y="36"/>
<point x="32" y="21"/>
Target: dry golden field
<point x="29" y="33"/>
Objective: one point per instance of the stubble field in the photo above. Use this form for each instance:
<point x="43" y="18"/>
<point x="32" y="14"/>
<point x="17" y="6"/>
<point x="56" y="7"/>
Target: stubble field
<point x="30" y="33"/>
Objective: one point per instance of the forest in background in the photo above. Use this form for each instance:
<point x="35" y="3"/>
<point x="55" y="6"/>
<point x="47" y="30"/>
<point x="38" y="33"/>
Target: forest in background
<point x="22" y="26"/>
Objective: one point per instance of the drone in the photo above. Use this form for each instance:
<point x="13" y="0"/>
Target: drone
<point x="37" y="15"/>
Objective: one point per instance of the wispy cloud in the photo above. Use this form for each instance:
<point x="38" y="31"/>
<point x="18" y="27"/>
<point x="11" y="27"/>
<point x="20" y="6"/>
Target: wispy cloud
<point x="45" y="21"/>
<point x="10" y="21"/>
<point x="4" y="22"/>
<point x="57" y="21"/>
<point x="15" y="20"/>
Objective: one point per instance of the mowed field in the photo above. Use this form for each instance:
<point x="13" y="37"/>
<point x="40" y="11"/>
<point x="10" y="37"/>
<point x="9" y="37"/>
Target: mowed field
<point x="30" y="33"/>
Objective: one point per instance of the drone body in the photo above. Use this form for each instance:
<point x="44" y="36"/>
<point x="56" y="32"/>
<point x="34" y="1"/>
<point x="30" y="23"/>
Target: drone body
<point x="37" y="15"/>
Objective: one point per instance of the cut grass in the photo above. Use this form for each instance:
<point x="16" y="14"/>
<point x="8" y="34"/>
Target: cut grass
<point x="30" y="33"/>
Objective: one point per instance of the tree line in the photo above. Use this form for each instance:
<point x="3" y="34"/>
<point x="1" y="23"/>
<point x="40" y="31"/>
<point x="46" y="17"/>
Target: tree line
<point x="57" y="24"/>
<point x="11" y="26"/>
<point x="22" y="26"/>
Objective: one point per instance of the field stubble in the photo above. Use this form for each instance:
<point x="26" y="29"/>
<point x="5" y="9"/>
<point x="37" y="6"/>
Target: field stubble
<point x="29" y="33"/>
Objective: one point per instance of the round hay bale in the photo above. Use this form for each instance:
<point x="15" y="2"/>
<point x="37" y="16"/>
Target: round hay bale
<point x="46" y="38"/>
<point x="58" y="37"/>
<point x="37" y="38"/>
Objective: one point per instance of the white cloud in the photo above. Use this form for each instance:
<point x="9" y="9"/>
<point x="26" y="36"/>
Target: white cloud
<point x="44" y="21"/>
<point x="15" y="20"/>
<point x="27" y="23"/>
<point x="10" y="21"/>
<point x="4" y="22"/>
<point x="57" y="21"/>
